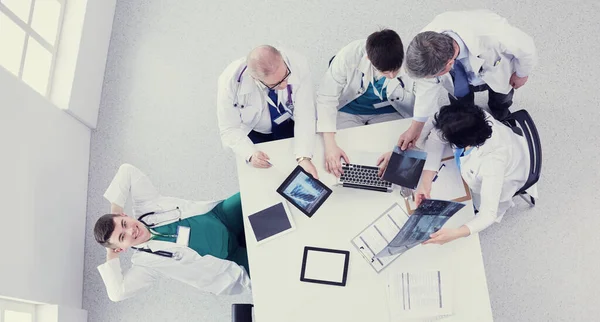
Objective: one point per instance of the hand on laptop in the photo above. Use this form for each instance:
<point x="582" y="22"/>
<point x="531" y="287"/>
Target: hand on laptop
<point x="382" y="162"/>
<point x="446" y="235"/>
<point x="333" y="156"/>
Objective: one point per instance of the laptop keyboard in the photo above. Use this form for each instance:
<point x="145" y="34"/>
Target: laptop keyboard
<point x="363" y="175"/>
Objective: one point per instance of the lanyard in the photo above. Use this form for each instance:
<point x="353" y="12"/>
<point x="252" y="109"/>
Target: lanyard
<point x="289" y="104"/>
<point x="157" y="234"/>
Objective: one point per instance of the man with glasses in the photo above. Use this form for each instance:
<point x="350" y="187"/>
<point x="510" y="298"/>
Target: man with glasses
<point x="264" y="97"/>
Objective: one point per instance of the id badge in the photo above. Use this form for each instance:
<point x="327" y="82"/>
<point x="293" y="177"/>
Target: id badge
<point x="183" y="235"/>
<point x="284" y="117"/>
<point x="382" y="104"/>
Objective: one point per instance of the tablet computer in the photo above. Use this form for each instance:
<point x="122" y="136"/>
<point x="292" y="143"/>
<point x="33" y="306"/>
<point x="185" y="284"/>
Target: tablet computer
<point x="271" y="222"/>
<point x="303" y="191"/>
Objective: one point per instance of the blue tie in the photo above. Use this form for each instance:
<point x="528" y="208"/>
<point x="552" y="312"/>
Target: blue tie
<point x="275" y="112"/>
<point x="457" y="153"/>
<point x="461" y="81"/>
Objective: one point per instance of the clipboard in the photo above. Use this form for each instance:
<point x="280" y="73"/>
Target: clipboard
<point x="451" y="174"/>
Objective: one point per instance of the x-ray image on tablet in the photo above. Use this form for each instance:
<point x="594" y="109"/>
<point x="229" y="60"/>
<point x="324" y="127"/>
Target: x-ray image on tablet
<point x="405" y="167"/>
<point x="304" y="191"/>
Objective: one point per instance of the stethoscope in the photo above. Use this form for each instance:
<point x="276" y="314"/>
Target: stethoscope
<point x="362" y="83"/>
<point x="289" y="104"/>
<point x="141" y="219"/>
<point x="163" y="253"/>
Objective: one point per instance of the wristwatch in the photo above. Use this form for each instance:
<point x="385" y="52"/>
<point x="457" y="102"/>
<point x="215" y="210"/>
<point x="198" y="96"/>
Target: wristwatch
<point x="300" y="159"/>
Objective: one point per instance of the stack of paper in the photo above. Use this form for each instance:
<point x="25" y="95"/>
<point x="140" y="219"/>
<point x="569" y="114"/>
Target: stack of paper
<point x="419" y="295"/>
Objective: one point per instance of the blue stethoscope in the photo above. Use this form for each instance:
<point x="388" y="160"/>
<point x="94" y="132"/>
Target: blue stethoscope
<point x="289" y="104"/>
<point x="175" y="255"/>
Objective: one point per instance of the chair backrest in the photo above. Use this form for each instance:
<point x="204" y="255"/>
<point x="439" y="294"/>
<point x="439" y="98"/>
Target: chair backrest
<point x="241" y="312"/>
<point x="521" y="121"/>
<point x="331" y="60"/>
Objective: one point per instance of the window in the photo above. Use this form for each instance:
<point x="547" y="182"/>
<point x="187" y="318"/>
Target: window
<point x="14" y="311"/>
<point x="29" y="32"/>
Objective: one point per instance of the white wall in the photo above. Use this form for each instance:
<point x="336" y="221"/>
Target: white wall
<point x="43" y="187"/>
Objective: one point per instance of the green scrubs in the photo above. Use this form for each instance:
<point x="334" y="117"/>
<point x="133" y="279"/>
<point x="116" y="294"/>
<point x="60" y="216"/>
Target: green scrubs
<point x="219" y="232"/>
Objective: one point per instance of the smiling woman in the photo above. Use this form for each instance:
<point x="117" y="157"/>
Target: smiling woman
<point x="29" y="35"/>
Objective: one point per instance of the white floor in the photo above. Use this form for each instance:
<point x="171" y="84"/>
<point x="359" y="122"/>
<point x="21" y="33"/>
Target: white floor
<point x="158" y="112"/>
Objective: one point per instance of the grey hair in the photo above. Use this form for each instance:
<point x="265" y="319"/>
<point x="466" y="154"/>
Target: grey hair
<point x="428" y="54"/>
<point x="263" y="61"/>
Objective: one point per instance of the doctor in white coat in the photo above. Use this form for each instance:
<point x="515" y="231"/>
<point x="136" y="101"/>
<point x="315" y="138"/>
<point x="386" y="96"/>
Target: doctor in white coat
<point x="364" y="84"/>
<point x="493" y="161"/>
<point x="162" y="249"/>
<point x="463" y="52"/>
<point x="267" y="96"/>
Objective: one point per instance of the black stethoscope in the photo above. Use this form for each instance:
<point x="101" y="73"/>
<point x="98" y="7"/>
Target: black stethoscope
<point x="362" y="83"/>
<point x="163" y="253"/>
<point x="289" y="104"/>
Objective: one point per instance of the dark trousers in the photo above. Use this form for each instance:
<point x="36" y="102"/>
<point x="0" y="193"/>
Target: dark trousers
<point x="497" y="102"/>
<point x="282" y="131"/>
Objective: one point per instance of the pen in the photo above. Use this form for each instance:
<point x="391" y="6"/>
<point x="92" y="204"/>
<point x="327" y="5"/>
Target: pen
<point x="440" y="169"/>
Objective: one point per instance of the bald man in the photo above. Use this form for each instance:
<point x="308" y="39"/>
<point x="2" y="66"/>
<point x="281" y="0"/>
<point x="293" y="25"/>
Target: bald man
<point x="264" y="97"/>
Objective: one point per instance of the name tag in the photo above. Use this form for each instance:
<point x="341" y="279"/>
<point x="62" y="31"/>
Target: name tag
<point x="183" y="235"/>
<point x="285" y="116"/>
<point x="382" y="104"/>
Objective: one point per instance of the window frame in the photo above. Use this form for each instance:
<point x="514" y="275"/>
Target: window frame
<point x="30" y="32"/>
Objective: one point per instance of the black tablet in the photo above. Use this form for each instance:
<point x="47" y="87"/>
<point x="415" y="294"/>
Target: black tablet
<point x="304" y="191"/>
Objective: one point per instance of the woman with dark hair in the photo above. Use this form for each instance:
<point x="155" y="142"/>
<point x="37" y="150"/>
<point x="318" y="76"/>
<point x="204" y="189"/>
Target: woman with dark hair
<point x="493" y="161"/>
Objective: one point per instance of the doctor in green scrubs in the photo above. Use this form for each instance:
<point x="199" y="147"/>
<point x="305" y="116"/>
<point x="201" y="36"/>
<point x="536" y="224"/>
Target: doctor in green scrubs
<point x="212" y="257"/>
<point x="219" y="232"/>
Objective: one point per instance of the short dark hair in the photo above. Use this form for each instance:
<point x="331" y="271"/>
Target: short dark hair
<point x="463" y="125"/>
<point x="428" y="53"/>
<point x="104" y="228"/>
<point x="385" y="50"/>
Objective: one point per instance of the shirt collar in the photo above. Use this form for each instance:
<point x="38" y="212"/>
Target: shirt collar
<point x="464" y="52"/>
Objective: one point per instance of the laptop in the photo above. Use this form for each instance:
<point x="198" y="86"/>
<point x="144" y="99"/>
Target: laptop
<point x="361" y="173"/>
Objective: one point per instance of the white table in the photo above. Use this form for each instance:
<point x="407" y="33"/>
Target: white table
<point x="275" y="266"/>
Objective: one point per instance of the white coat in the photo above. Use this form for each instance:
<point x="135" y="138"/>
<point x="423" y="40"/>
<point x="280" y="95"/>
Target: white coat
<point x="494" y="171"/>
<point x="496" y="51"/>
<point x="242" y="106"/>
<point x="341" y="84"/>
<point x="206" y="273"/>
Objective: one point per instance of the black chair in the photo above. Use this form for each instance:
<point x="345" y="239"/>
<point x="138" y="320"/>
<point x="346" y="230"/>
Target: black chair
<point x="241" y="312"/>
<point x="331" y="60"/>
<point x="522" y="124"/>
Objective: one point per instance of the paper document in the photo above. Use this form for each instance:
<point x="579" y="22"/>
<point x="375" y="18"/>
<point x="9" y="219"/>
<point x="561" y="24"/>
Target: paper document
<point x="419" y="294"/>
<point x="378" y="235"/>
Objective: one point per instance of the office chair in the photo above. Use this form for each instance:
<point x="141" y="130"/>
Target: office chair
<point x="241" y="312"/>
<point x="522" y="124"/>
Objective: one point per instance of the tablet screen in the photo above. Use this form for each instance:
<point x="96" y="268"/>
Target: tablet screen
<point x="304" y="191"/>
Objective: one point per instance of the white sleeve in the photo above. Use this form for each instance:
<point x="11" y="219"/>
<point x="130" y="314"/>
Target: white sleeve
<point x="492" y="181"/>
<point x="427" y="93"/>
<point x="129" y="180"/>
<point x="230" y="122"/>
<point x="304" y="116"/>
<point x="214" y="275"/>
<point x="328" y="94"/>
<point x="517" y="43"/>
<point x="434" y="146"/>
<point x="120" y="287"/>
